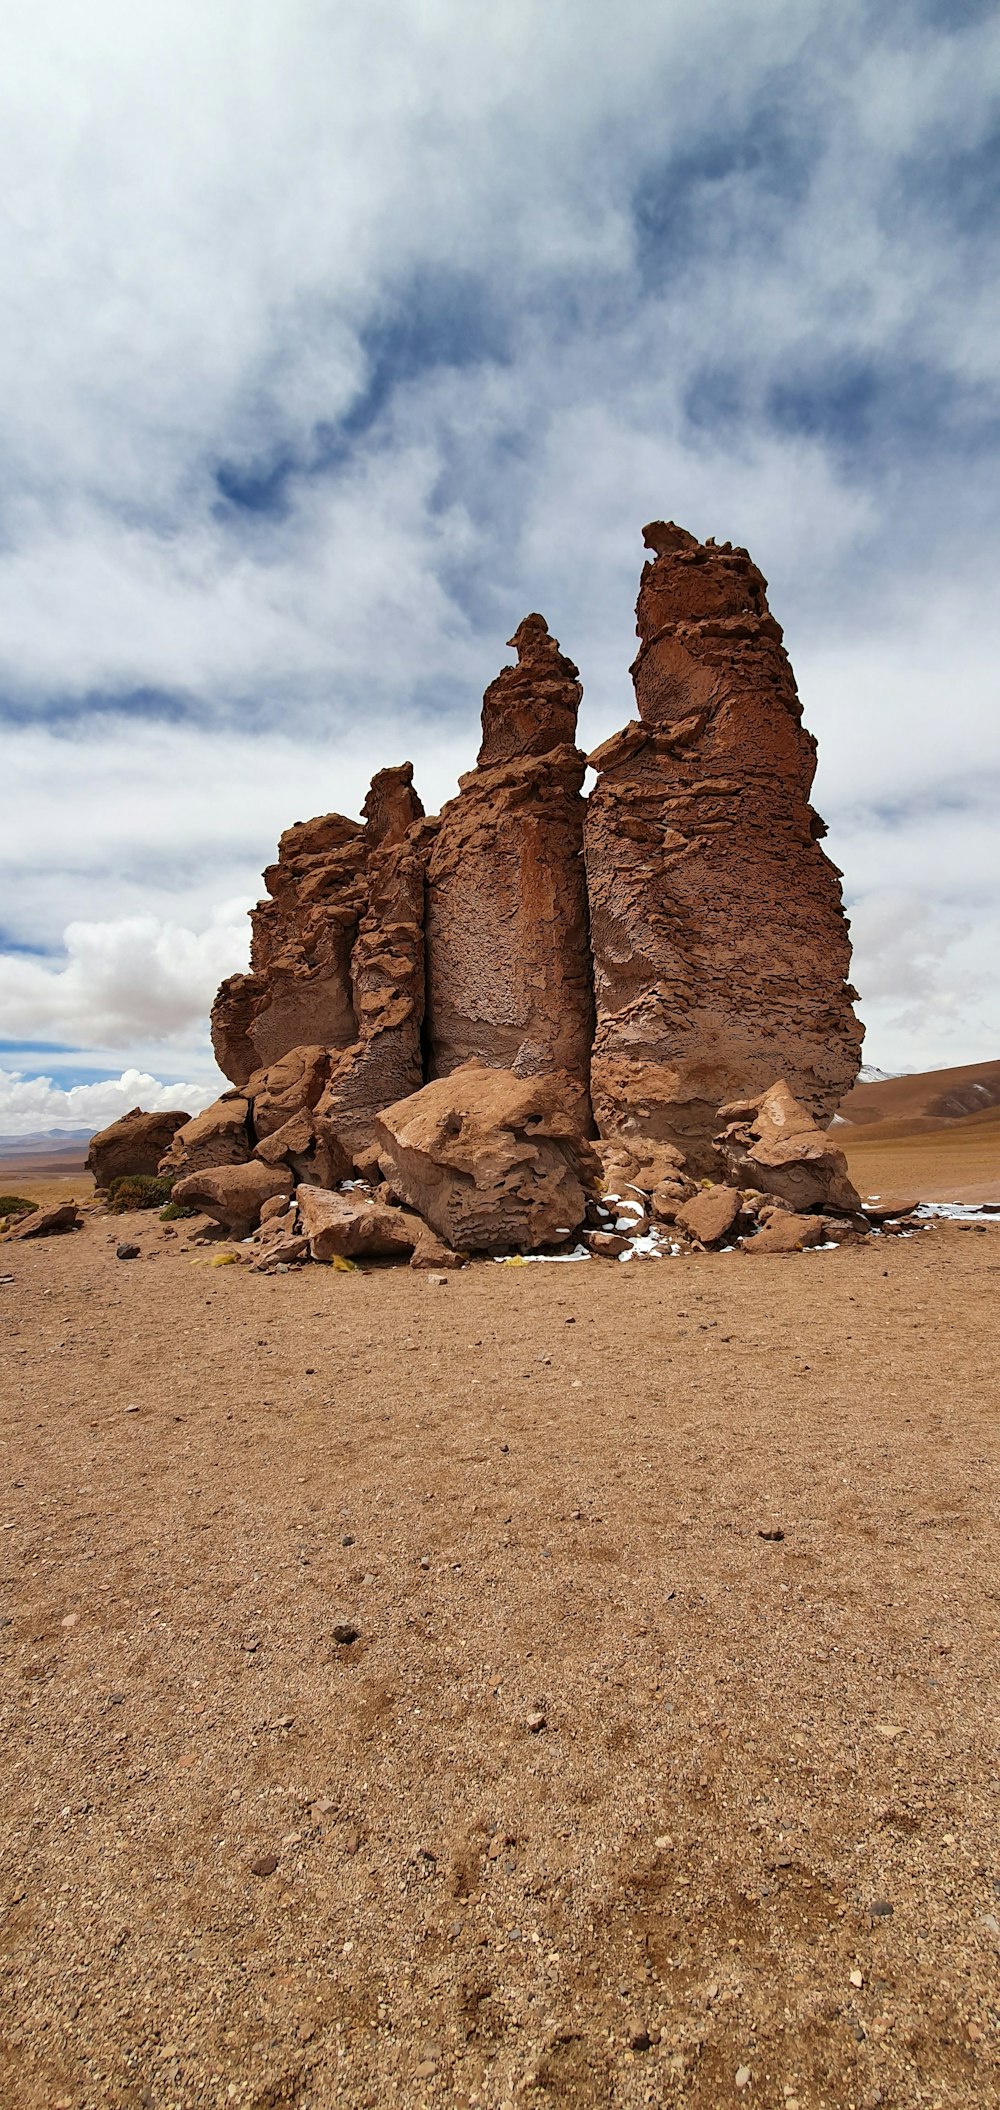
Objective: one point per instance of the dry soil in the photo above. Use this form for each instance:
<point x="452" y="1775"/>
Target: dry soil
<point x="662" y="1766"/>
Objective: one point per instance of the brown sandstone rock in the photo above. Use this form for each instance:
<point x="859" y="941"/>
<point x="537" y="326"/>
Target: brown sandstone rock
<point x="348" y="1226"/>
<point x="387" y="980"/>
<point x="310" y="1145"/>
<point x="772" y="1144"/>
<point x="289" y="1086"/>
<point x="299" y="990"/>
<point x="490" y="1160"/>
<point x="605" y="1245"/>
<point x="710" y="1214"/>
<point x="785" y="1233"/>
<point x="509" y="978"/>
<point x="638" y="1163"/>
<point x="234" y="1194"/>
<point x="431" y="1251"/>
<point x="720" y="947"/>
<point x="219" y="1136"/>
<point x="132" y="1146"/>
<point x="286" y="1251"/>
<point x="44" y="1222"/>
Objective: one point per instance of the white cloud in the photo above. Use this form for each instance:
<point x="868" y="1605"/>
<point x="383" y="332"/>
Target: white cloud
<point x="33" y="1105"/>
<point x="135" y="979"/>
<point x="221" y="220"/>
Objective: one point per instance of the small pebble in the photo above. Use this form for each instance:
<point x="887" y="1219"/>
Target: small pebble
<point x="535" y="1721"/>
<point x="743" y="2076"/>
<point x="126" y="1252"/>
<point x="264" y="1865"/>
<point x="345" y="1632"/>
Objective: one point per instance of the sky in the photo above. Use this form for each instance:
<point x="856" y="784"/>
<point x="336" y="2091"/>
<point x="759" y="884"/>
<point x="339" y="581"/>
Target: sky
<point x="342" y="333"/>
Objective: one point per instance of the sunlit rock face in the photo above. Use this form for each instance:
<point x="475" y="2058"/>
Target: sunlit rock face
<point x="720" y="947"/>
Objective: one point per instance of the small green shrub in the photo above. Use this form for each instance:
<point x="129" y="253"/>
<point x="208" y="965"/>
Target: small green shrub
<point x="15" y="1205"/>
<point x="173" y="1210"/>
<point x="138" y="1190"/>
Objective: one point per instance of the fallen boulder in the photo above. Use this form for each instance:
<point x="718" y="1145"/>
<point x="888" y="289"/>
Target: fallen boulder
<point x="308" y="1143"/>
<point x="43" y="1222"/>
<point x="772" y="1144"/>
<point x="219" y="1136"/>
<point x="785" y="1233"/>
<point x="348" y="1226"/>
<point x="710" y="1214"/>
<point x="135" y="1144"/>
<point x="234" y="1194"/>
<point x="286" y="1251"/>
<point x="491" y="1161"/>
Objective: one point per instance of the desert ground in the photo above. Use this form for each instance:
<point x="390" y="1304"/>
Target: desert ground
<point x="662" y="1765"/>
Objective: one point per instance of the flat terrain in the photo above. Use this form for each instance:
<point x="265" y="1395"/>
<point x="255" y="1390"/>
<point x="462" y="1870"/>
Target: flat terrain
<point x="950" y="1161"/>
<point x="618" y="1797"/>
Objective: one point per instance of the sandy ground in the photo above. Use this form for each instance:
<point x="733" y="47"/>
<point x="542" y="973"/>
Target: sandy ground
<point x="614" y="1799"/>
<point x="958" y="1162"/>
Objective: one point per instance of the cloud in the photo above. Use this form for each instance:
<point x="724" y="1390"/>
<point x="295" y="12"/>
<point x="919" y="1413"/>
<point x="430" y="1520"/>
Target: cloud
<point x="135" y="979"/>
<point x="340" y="337"/>
<point x="33" y="1105"/>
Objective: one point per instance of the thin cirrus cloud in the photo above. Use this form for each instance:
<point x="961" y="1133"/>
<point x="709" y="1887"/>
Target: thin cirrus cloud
<point x="342" y="337"/>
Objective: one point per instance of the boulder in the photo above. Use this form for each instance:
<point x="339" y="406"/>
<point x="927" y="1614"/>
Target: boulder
<point x="632" y="1161"/>
<point x="310" y="1145"/>
<point x="710" y="1214"/>
<point x="234" y="1194"/>
<point x="219" y="1136"/>
<point x="286" y="1251"/>
<point x="772" y="1144"/>
<point x="43" y="1222"/>
<point x="430" y="1252"/>
<point x="785" y="1233"/>
<point x="491" y="1161"/>
<point x="720" y="947"/>
<point x="605" y="1245"/>
<point x="353" y="1225"/>
<point x="133" y="1145"/>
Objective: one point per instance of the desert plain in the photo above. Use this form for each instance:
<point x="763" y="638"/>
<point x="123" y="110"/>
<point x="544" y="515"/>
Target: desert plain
<point x="661" y="1765"/>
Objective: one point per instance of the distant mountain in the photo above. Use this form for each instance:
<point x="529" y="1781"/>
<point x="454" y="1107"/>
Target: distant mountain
<point x="930" y="1099"/>
<point x="47" y="1143"/>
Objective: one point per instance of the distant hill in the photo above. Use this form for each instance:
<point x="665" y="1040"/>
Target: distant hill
<point x="930" y="1099"/>
<point x="48" y="1143"/>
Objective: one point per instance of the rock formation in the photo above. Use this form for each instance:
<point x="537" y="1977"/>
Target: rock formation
<point x="133" y="1145"/>
<point x="720" y="948"/>
<point x="422" y="991"/>
<point x="509" y="978"/>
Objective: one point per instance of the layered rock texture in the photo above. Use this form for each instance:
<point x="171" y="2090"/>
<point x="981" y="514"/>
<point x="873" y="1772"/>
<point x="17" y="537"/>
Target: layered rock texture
<point x="457" y="1003"/>
<point x="509" y="979"/>
<point x="720" y="948"/>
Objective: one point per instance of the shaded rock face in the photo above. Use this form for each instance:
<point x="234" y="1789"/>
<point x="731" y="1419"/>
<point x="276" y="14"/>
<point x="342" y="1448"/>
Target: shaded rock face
<point x="492" y="1162"/>
<point x="133" y="1145"/>
<point x="299" y="990"/>
<point x="509" y="974"/>
<point x="720" y="948"/>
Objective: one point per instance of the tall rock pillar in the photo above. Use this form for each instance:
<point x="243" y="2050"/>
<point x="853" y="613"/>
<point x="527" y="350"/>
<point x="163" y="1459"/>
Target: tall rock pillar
<point x="721" y="950"/>
<point x="508" y="958"/>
